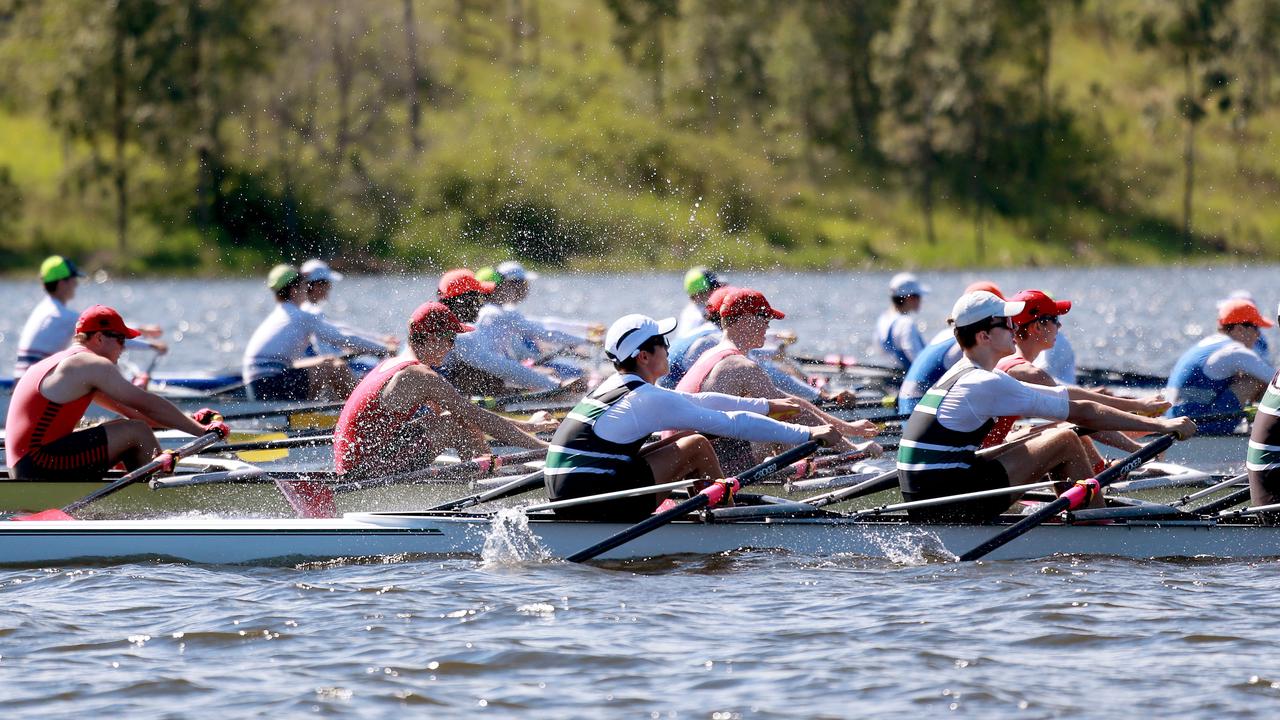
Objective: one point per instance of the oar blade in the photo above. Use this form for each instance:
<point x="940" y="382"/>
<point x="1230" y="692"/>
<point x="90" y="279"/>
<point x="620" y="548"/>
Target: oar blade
<point x="45" y="515"/>
<point x="308" y="498"/>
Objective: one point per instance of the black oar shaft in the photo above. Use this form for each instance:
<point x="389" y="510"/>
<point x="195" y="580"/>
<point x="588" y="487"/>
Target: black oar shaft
<point x="1104" y="478"/>
<point x="515" y="487"/>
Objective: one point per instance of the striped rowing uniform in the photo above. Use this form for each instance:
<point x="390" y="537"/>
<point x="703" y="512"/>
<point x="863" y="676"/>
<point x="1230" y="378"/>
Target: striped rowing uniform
<point x="40" y="437"/>
<point x="1263" y="459"/>
<point x="596" y="449"/>
<point x="938" y="452"/>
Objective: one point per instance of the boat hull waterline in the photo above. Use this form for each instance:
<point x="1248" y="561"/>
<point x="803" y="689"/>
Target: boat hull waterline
<point x="204" y="540"/>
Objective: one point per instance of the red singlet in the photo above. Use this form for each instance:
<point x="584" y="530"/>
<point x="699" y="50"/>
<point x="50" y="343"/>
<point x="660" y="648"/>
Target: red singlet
<point x="365" y="427"/>
<point x="692" y="380"/>
<point x="1003" y="425"/>
<point x="34" y="420"/>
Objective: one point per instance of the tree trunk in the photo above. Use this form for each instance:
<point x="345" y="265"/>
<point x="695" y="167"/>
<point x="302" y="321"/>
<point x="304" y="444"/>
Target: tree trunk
<point x="203" y="143"/>
<point x="120" y="130"/>
<point x="342" y="71"/>
<point x="415" y="77"/>
<point x="1189" y="159"/>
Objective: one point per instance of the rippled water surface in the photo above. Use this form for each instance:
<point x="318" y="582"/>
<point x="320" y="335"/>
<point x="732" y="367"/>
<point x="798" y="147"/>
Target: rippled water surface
<point x="749" y="634"/>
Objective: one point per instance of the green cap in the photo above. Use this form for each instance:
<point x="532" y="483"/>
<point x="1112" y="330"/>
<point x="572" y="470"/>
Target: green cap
<point x="56" y="267"/>
<point x="700" y="280"/>
<point x="488" y="274"/>
<point x="281" y="275"/>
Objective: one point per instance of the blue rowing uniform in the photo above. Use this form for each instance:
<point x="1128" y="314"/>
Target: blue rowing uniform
<point x="930" y="365"/>
<point x="678" y="356"/>
<point x="1194" y="394"/>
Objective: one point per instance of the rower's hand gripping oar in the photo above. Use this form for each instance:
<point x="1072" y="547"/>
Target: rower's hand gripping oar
<point x="1073" y="498"/>
<point x="709" y="496"/>
<point x="155" y="465"/>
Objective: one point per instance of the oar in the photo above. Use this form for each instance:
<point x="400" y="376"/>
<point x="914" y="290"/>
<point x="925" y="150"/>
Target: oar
<point x="273" y="444"/>
<point x="146" y="470"/>
<point x="523" y="484"/>
<point x="285" y="410"/>
<point x="1073" y="497"/>
<point x="804" y="468"/>
<point x="501" y="401"/>
<point x="709" y="496"/>
<point x="1108" y="376"/>
<point x="1188" y="499"/>
<point x="480" y="465"/>
<point x="884" y="481"/>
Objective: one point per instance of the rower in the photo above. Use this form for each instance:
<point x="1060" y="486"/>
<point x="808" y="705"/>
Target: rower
<point x="1222" y="373"/>
<point x="1262" y="347"/>
<point x="475" y="365"/>
<point x="320" y="278"/>
<point x="403" y="413"/>
<point x="598" y="447"/>
<point x="745" y="315"/>
<point x="52" y="396"/>
<point x="699" y="283"/>
<point x="502" y="327"/>
<point x="938" y="454"/>
<point x="51" y="324"/>
<point x="275" y="363"/>
<point x="935" y="359"/>
<point x="1262" y="460"/>
<point x="896" y="329"/>
<point x="1036" y="331"/>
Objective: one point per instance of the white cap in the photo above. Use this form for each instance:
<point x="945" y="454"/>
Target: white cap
<point x="978" y="306"/>
<point x="317" y="269"/>
<point x="904" y="284"/>
<point x="629" y="332"/>
<point x="512" y="270"/>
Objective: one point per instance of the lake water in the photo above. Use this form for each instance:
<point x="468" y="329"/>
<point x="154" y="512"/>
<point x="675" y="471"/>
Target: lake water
<point x="747" y="634"/>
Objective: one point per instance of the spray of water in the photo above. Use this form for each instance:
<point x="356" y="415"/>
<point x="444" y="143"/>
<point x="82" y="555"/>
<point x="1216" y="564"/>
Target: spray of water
<point x="510" y="541"/>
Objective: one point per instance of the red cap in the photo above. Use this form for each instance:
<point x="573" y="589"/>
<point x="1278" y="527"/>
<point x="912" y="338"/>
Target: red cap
<point x="1038" y="305"/>
<point x="1237" y="312"/>
<point x="433" y="317"/>
<point x="985" y="285"/>
<point x="101" y="318"/>
<point x="716" y="299"/>
<point x="745" y="301"/>
<point x="460" y="282"/>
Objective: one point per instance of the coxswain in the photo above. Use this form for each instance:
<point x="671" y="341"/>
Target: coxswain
<point x="896" y="330"/>
<point x="403" y="413"/>
<point x="1262" y="460"/>
<point x="935" y="359"/>
<point x="501" y="326"/>
<point x="52" y="396"/>
<point x="475" y="365"/>
<point x="745" y="315"/>
<point x="599" y="447"/>
<point x="699" y="283"/>
<point x="1222" y="373"/>
<point x="51" y="324"/>
<point x="320" y="278"/>
<point x="1036" y="331"/>
<point x="938" y="455"/>
<point x="276" y="365"/>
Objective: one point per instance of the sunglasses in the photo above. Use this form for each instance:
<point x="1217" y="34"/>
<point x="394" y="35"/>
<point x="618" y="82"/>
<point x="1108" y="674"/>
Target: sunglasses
<point x="114" y="336"/>
<point x="1048" y="320"/>
<point x="999" y="322"/>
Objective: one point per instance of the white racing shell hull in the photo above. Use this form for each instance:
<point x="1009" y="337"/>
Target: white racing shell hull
<point x="364" y="534"/>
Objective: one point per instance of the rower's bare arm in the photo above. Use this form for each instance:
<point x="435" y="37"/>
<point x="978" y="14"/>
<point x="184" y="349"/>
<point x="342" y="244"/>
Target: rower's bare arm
<point x="1029" y="373"/>
<point x="107" y="381"/>
<point x="446" y="396"/>
<point x="1103" y="417"/>
<point x="1155" y="405"/>
<point x="1116" y="439"/>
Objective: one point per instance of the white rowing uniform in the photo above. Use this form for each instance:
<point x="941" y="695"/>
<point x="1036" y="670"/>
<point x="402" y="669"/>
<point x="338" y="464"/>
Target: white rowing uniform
<point x="326" y="348"/>
<point x="982" y="395"/>
<point x="284" y="335"/>
<point x="508" y="331"/>
<point x="649" y="409"/>
<point x="691" y="321"/>
<point x="49" y="330"/>
<point x="1059" y="361"/>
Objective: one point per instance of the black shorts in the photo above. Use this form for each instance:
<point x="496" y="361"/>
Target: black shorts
<point x="983" y="475"/>
<point x="1264" y="489"/>
<point x="82" y="455"/>
<point x="628" y="510"/>
<point x="292" y="384"/>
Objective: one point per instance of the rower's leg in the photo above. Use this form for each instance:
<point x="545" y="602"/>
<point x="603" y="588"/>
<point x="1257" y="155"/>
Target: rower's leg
<point x="689" y="456"/>
<point x="131" y="442"/>
<point x="328" y="378"/>
<point x="1057" y="453"/>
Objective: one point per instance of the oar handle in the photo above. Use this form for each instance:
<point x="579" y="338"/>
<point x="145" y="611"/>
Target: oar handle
<point x="150" y="468"/>
<point x="1074" y="495"/>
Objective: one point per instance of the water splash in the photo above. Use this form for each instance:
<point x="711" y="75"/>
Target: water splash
<point x="511" y="542"/>
<point x="914" y="547"/>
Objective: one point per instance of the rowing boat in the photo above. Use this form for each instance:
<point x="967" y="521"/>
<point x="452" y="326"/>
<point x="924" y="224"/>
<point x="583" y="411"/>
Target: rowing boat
<point x="513" y="537"/>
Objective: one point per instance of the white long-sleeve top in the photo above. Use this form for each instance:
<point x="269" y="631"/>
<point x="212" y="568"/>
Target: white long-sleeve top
<point x="481" y="355"/>
<point x="650" y="409"/>
<point x="284" y="335"/>
<point x="510" y="332"/>
<point x="48" y="330"/>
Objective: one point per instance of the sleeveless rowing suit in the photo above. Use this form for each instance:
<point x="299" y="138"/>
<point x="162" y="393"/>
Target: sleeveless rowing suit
<point x="581" y="463"/>
<point x="928" y="367"/>
<point x="367" y="437"/>
<point x="1004" y="424"/>
<point x="1196" y="395"/>
<point x="936" y="461"/>
<point x="735" y="455"/>
<point x="39" y="437"/>
<point x="1263" y="459"/>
